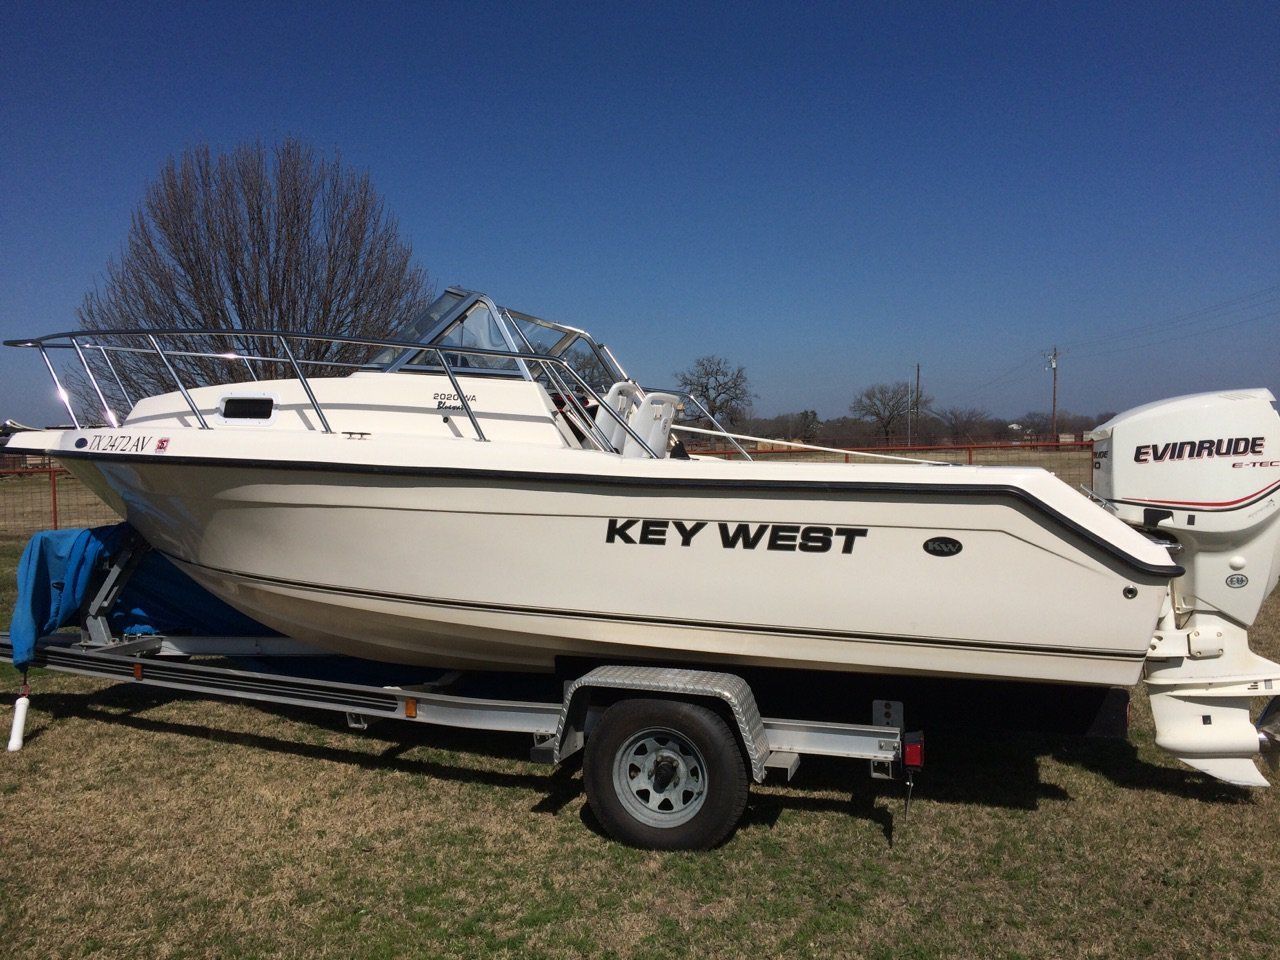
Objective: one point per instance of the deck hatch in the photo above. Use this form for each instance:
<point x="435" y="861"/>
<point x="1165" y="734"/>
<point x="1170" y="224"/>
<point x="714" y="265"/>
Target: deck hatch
<point x="247" y="408"/>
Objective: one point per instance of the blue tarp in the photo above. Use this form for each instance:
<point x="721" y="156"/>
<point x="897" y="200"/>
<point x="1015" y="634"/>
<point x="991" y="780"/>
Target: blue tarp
<point x="59" y="568"/>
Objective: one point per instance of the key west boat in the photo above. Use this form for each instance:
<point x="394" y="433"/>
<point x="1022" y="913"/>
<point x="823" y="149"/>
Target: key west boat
<point x="493" y="491"/>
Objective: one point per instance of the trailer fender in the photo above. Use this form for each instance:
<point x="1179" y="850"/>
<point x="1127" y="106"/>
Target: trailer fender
<point x="726" y="688"/>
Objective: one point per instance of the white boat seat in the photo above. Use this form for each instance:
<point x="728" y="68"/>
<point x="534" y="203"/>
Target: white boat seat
<point x="623" y="397"/>
<point x="651" y="421"/>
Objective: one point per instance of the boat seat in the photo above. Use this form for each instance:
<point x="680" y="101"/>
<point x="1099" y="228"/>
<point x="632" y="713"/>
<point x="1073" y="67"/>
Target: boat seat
<point x="651" y="420"/>
<point x="623" y="397"/>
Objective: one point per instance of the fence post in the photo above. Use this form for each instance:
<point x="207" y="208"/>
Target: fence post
<point x="53" y="496"/>
<point x="969" y="451"/>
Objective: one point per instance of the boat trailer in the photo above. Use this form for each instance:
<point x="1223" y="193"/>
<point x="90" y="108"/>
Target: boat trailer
<point x="559" y="729"/>
<point x="682" y="735"/>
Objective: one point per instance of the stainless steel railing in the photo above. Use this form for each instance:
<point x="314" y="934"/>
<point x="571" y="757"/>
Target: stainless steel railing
<point x="557" y="370"/>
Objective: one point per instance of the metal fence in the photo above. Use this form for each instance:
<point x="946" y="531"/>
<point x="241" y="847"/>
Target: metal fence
<point x="1070" y="461"/>
<point x="47" y="498"/>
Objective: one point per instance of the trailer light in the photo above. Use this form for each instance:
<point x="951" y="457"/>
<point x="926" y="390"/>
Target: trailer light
<point x="913" y="752"/>
<point x="410" y="708"/>
<point x="137" y="671"/>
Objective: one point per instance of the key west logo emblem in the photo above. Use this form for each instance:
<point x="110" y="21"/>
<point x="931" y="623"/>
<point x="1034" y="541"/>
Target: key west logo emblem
<point x="943" y="546"/>
<point x="790" y="537"/>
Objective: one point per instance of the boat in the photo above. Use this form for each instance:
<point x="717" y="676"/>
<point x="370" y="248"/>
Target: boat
<point x="491" y="490"/>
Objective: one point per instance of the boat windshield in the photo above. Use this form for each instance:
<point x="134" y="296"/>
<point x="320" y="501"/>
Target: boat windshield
<point x="475" y="327"/>
<point x="461" y="318"/>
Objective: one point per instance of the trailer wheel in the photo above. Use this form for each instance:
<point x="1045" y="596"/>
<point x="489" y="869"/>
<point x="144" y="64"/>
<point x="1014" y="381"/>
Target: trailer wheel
<point x="665" y="775"/>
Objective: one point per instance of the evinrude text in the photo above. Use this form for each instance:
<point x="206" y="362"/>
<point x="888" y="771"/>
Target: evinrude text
<point x="1196" y="449"/>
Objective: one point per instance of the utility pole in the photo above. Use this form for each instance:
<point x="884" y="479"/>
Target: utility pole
<point x="1053" y="416"/>
<point x="916" y="406"/>
<point x="910" y="406"/>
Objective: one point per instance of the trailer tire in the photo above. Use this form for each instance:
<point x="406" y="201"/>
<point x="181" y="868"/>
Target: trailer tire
<point x="665" y="775"/>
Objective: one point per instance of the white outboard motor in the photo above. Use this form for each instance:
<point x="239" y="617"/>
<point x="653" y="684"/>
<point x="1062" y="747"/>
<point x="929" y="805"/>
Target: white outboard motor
<point x="1202" y="473"/>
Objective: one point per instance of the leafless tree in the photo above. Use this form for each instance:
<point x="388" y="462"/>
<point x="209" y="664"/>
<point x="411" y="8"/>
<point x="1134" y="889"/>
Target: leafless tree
<point x="965" y="423"/>
<point x="887" y="405"/>
<point x="803" y="426"/>
<point x="261" y="238"/>
<point x="1036" y="423"/>
<point x="723" y="388"/>
<point x="808" y="423"/>
<point x="1040" y="424"/>
<point x="590" y="367"/>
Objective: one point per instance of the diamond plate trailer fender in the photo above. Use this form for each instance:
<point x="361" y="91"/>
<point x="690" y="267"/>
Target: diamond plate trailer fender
<point x="767" y="743"/>
<point x="726" y="688"/>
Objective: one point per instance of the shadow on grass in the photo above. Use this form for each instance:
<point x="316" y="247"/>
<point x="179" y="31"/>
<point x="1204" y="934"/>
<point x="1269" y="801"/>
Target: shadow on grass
<point x="874" y="801"/>
<point x="125" y="706"/>
<point x="998" y="771"/>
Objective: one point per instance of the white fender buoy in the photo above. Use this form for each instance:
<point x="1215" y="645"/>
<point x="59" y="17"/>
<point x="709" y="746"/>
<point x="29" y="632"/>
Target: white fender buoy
<point x="19" y="723"/>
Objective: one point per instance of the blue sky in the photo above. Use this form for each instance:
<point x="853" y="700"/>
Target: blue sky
<point x="827" y="193"/>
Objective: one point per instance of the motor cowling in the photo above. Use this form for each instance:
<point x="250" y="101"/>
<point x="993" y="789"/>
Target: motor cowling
<point x="1204" y="469"/>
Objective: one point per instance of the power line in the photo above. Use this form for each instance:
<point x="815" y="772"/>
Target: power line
<point x="1178" y="327"/>
<point x="1013" y="374"/>
<point x="1258" y="298"/>
<point x="1268" y="315"/>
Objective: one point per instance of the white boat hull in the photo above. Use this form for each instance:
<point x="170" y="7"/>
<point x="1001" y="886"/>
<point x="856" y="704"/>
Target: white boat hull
<point x="477" y="568"/>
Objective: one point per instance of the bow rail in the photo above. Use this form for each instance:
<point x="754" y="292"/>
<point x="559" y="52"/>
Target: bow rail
<point x="84" y="343"/>
<point x="559" y="372"/>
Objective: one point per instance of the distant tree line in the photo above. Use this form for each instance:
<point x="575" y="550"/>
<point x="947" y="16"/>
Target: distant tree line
<point x="951" y="425"/>
<point x="882" y="413"/>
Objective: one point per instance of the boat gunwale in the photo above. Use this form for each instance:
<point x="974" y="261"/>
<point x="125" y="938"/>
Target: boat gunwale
<point x="1163" y="571"/>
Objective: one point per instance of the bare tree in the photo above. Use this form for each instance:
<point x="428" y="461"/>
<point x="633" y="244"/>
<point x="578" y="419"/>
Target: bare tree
<point x="803" y="425"/>
<point x="256" y="239"/>
<point x="723" y="388"/>
<point x="887" y="405"/>
<point x="965" y="423"/>
<point x="807" y="425"/>
<point x="1037" y="423"/>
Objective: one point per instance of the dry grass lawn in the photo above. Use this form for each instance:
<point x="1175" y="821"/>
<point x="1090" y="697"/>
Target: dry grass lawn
<point x="138" y="823"/>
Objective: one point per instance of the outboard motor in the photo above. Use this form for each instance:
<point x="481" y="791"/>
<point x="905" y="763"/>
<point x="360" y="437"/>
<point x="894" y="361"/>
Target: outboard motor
<point x="1202" y="474"/>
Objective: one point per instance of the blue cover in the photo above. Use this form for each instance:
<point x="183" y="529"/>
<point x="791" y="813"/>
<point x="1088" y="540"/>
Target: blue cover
<point x="59" y="568"/>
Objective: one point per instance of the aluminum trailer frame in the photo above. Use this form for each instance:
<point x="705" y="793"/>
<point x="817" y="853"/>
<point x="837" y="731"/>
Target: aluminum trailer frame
<point x="559" y="729"/>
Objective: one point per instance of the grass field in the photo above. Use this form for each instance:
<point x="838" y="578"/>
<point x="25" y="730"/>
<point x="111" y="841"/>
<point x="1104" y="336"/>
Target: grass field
<point x="138" y="823"/>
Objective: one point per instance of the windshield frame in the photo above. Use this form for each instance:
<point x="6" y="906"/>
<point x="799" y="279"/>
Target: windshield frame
<point x="515" y="340"/>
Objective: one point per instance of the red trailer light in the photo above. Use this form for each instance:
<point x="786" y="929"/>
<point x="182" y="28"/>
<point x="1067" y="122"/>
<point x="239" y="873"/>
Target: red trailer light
<point x="913" y="753"/>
